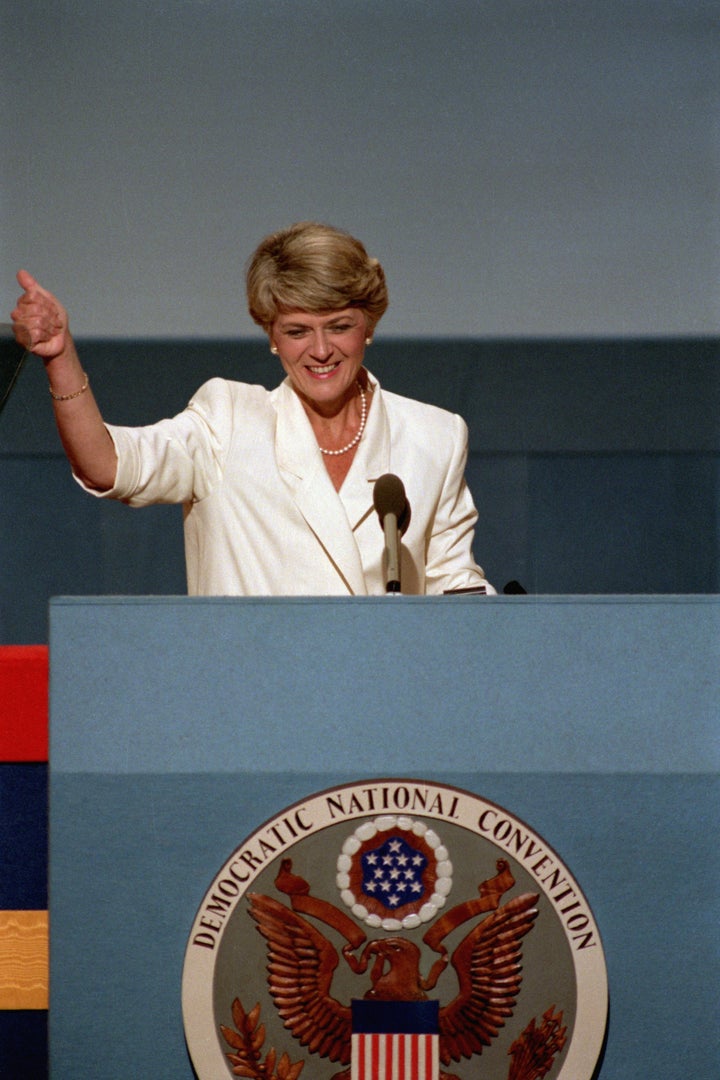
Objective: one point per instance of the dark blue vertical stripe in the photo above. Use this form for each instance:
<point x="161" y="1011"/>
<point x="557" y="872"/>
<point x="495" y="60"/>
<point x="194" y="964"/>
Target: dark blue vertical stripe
<point x="23" y="1045"/>
<point x="23" y="837"/>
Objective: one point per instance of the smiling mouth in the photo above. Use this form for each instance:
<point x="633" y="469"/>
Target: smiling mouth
<point x="325" y="369"/>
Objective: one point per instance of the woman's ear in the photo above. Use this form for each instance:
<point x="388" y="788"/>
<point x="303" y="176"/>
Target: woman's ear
<point x="369" y="329"/>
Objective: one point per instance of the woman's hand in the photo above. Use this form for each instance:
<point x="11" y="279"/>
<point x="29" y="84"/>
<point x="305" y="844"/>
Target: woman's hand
<point x="40" y="322"/>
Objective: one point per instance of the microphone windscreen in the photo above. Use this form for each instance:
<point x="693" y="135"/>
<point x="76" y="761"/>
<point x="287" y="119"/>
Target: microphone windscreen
<point x="389" y="498"/>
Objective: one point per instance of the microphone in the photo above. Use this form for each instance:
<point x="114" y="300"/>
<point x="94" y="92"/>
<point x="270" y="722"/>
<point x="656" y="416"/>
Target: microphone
<point x="393" y="509"/>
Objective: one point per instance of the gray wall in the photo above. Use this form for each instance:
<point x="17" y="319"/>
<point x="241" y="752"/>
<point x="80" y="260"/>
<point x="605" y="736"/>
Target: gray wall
<point x="595" y="465"/>
<point x="521" y="167"/>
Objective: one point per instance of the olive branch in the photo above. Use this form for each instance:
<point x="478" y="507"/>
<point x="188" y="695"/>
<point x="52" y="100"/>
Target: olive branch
<point x="247" y="1042"/>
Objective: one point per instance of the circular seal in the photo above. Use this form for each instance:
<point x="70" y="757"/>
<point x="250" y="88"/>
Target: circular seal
<point x="395" y="929"/>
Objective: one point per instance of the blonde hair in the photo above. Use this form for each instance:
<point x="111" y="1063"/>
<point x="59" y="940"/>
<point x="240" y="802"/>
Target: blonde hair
<point x="313" y="267"/>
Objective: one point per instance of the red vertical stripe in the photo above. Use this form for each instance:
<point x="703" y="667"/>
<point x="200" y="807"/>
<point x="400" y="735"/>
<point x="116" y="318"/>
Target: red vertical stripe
<point x="23" y="703"/>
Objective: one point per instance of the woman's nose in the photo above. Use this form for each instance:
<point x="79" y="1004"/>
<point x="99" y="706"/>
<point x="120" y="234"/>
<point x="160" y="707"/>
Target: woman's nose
<point x="321" y="346"/>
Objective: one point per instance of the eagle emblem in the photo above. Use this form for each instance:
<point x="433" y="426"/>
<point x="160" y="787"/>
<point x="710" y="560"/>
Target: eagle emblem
<point x="442" y="1002"/>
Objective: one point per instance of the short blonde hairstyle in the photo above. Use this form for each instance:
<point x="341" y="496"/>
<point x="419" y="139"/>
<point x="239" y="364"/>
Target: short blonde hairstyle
<point x="316" y="268"/>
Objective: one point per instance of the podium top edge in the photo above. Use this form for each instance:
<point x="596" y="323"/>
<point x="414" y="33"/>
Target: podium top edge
<point x="527" y="600"/>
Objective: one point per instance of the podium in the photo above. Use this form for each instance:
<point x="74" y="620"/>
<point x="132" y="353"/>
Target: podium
<point x="178" y="725"/>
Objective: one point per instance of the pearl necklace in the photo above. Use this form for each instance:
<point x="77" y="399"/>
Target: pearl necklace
<point x="358" y="437"/>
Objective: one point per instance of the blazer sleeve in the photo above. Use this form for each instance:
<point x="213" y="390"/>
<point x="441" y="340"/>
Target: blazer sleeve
<point x="178" y="460"/>
<point x="449" y="559"/>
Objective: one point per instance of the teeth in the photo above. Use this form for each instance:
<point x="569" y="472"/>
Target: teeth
<point x="323" y="370"/>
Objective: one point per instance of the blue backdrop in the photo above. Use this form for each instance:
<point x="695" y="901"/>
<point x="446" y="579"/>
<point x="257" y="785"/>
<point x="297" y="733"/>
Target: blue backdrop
<point x="595" y="465"/>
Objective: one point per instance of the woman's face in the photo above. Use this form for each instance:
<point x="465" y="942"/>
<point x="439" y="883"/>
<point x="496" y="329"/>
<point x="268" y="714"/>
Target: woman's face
<point x="322" y="354"/>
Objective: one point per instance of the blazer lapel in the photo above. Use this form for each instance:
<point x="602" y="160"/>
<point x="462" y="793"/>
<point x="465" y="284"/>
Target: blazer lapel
<point x="371" y="461"/>
<point x="303" y="470"/>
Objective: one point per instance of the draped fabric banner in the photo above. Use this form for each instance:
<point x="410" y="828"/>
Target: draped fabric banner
<point x="23" y="858"/>
<point x="23" y="828"/>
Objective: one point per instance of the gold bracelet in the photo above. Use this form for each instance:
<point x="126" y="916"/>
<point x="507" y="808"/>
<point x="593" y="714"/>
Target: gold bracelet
<point x="69" y="397"/>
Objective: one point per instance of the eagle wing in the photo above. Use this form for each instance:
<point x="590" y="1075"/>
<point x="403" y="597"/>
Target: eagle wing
<point x="489" y="970"/>
<point x="301" y="964"/>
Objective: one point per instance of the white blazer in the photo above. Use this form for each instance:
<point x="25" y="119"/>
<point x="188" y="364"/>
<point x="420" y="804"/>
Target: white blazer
<point x="261" y="515"/>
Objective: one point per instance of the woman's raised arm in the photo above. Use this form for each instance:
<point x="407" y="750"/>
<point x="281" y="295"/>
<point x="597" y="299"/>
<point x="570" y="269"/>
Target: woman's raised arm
<point x="41" y="326"/>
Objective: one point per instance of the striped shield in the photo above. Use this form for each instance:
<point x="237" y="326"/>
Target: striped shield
<point x="395" y="1040"/>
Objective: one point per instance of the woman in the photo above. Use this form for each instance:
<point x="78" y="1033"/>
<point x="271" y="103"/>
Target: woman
<point x="277" y="486"/>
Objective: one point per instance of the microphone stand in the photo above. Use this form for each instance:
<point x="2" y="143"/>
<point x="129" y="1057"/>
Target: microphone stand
<point x="392" y="550"/>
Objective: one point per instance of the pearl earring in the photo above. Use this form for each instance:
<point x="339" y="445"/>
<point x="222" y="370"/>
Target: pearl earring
<point x="368" y="341"/>
<point x="273" y="350"/>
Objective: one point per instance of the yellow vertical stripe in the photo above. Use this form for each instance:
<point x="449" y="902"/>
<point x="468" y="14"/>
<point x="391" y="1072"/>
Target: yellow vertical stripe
<point x="23" y="959"/>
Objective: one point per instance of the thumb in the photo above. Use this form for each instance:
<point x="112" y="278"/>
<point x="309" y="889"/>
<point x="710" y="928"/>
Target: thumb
<point x="25" y="280"/>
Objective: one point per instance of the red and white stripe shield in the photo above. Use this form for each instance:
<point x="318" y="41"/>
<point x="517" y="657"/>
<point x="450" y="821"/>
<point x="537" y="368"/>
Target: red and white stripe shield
<point x="395" y="1040"/>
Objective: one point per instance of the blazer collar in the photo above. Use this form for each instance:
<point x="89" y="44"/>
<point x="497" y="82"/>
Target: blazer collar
<point x="331" y="517"/>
